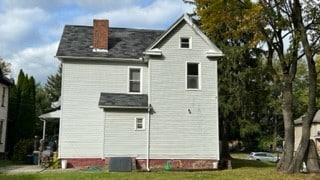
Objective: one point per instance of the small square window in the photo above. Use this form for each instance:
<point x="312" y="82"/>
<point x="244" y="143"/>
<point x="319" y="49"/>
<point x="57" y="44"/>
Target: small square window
<point x="139" y="124"/>
<point x="185" y="42"/>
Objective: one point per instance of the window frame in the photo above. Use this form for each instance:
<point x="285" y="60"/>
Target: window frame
<point x="189" y="42"/>
<point x="140" y="80"/>
<point x="199" y="76"/>
<point x="1" y="130"/>
<point x="3" y="96"/>
<point x="136" y="123"/>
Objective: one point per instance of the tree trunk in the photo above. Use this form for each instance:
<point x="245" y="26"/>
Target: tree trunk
<point x="312" y="159"/>
<point x="275" y="135"/>
<point x="224" y="154"/>
<point x="286" y="159"/>
<point x="307" y="121"/>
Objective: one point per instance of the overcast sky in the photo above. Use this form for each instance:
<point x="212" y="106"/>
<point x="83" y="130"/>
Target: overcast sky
<point x="30" y="29"/>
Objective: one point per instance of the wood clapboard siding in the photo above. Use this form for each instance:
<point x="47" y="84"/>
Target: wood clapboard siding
<point x="3" y="115"/>
<point x="176" y="133"/>
<point x="315" y="128"/>
<point x="82" y="121"/>
<point x="121" y="138"/>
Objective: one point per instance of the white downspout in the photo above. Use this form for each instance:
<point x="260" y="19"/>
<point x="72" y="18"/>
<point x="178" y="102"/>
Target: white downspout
<point x="149" y="109"/>
<point x="44" y="129"/>
<point x="103" y="135"/>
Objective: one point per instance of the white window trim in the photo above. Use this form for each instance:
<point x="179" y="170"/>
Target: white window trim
<point x="2" y="130"/>
<point x="128" y="79"/>
<point x="186" y="76"/>
<point x="143" y="124"/>
<point x="190" y="42"/>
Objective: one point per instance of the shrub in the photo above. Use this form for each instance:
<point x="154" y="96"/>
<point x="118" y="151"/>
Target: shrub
<point x="22" y="148"/>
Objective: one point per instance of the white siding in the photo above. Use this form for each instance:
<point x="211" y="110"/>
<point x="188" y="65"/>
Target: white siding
<point x="315" y="127"/>
<point x="176" y="132"/>
<point x="82" y="121"/>
<point x="121" y="138"/>
<point x="3" y="115"/>
<point x="184" y="123"/>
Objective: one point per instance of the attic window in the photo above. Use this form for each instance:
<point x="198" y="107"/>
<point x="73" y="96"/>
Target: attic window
<point x="185" y="42"/>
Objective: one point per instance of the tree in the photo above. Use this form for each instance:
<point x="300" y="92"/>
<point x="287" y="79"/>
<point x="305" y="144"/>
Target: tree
<point x="243" y="90"/>
<point x="5" y="67"/>
<point x="273" y="22"/>
<point x="43" y="104"/>
<point x="53" y="85"/>
<point x="22" y="113"/>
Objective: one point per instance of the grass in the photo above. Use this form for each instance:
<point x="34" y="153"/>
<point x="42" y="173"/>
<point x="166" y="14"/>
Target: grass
<point x="4" y="163"/>
<point x="242" y="169"/>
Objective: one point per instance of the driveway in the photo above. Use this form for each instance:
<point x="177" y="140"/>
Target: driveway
<point x="21" y="169"/>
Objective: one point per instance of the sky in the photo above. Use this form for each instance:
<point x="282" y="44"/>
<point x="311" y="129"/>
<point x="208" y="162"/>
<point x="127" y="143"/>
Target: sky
<point x="30" y="30"/>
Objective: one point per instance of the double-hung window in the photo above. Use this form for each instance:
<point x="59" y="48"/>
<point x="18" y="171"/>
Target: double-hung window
<point x="185" y="42"/>
<point x="135" y="80"/>
<point x="193" y="75"/>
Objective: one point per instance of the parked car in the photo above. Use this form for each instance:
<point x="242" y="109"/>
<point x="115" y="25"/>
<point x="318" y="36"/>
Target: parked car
<point x="262" y="156"/>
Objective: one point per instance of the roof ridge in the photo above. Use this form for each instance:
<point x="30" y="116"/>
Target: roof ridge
<point x="125" y="28"/>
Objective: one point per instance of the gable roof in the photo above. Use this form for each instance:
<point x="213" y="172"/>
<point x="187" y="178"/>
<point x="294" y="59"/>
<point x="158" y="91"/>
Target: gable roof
<point x="126" y="43"/>
<point x="120" y="100"/>
<point x="316" y="119"/>
<point x="214" y="51"/>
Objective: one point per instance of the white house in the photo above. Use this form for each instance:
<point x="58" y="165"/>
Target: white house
<point x="149" y="95"/>
<point x="314" y="131"/>
<point x="4" y="92"/>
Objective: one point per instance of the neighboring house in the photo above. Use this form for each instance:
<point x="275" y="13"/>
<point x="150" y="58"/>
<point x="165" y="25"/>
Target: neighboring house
<point x="314" y="132"/>
<point x="4" y="101"/>
<point x="149" y="95"/>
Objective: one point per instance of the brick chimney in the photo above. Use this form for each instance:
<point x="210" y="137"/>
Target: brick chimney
<point x="100" y="34"/>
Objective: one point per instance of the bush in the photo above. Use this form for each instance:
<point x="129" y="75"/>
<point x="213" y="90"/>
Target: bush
<point x="22" y="148"/>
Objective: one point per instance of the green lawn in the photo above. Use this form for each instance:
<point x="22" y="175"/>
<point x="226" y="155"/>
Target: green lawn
<point x="242" y="169"/>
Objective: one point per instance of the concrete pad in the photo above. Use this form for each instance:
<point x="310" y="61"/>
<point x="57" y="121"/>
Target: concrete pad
<point x="21" y="169"/>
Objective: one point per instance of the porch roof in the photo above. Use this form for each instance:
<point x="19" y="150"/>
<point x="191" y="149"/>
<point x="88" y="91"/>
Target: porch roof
<point x="121" y="100"/>
<point x="51" y="115"/>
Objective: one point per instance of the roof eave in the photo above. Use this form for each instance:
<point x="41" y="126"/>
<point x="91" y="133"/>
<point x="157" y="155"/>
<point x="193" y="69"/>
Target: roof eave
<point x="124" y="107"/>
<point x="153" y="52"/>
<point x="210" y="54"/>
<point x="139" y="60"/>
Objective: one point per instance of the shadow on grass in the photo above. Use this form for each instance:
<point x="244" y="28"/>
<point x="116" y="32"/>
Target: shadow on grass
<point x="240" y="163"/>
<point x="4" y="163"/>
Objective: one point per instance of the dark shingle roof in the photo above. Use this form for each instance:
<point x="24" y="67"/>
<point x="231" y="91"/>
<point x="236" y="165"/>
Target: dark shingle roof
<point x="119" y="100"/>
<point x="123" y="42"/>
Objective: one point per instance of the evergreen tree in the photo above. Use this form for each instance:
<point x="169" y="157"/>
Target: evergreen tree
<point x="53" y="85"/>
<point x="22" y="109"/>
